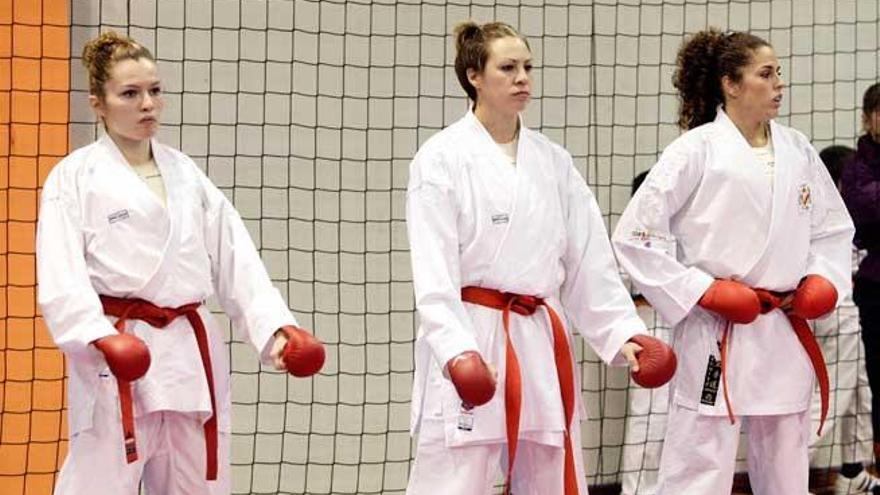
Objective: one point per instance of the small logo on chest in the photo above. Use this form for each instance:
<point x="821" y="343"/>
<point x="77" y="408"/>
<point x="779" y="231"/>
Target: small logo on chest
<point x="118" y="216"/>
<point x="500" y="218"/>
<point x="805" y="197"/>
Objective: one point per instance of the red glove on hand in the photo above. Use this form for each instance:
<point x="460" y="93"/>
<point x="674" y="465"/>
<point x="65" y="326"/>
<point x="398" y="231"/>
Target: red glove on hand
<point x="732" y="300"/>
<point x="815" y="297"/>
<point x="127" y="356"/>
<point x="472" y="378"/>
<point x="657" y="362"/>
<point x="303" y="355"/>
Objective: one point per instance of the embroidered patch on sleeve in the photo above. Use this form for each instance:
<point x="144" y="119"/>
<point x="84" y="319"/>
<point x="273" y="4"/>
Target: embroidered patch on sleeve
<point x="646" y="237"/>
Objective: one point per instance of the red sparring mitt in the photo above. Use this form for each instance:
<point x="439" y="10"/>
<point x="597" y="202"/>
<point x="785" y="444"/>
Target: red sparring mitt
<point x="472" y="378"/>
<point x="815" y="297"/>
<point x="303" y="355"/>
<point x="127" y="356"/>
<point x="732" y="300"/>
<point x="657" y="362"/>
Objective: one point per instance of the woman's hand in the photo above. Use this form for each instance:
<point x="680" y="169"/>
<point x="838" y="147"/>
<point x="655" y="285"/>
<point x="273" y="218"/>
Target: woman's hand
<point x="653" y="362"/>
<point x="277" y="352"/>
<point x="629" y="350"/>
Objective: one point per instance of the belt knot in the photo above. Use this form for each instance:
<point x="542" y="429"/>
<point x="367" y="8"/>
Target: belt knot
<point x="523" y="304"/>
<point x="770" y="300"/>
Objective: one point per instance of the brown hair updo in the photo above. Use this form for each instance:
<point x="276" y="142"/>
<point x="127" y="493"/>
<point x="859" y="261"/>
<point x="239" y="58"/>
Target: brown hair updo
<point x="103" y="52"/>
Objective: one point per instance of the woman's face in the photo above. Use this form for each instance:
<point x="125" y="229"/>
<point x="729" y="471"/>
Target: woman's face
<point x="132" y="102"/>
<point x="504" y="85"/>
<point x="871" y="121"/>
<point x="758" y="94"/>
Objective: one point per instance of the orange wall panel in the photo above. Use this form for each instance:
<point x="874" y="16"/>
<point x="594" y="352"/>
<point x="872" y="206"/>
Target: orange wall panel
<point x="28" y="12"/>
<point x="34" y="98"/>
<point x="26" y="41"/>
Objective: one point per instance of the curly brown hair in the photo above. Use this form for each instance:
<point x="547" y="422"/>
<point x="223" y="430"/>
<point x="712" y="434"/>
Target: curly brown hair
<point x="101" y="53"/>
<point x="701" y="64"/>
<point x="472" y="48"/>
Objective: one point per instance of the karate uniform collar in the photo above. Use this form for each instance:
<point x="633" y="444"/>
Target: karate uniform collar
<point x="472" y="118"/>
<point x="724" y="120"/>
<point x="163" y="162"/>
<point x="107" y="143"/>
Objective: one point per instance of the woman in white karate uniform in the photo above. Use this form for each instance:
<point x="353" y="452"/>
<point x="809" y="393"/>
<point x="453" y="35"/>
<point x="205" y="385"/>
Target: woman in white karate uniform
<point x="498" y="217"/>
<point x="738" y="217"/>
<point x="132" y="238"/>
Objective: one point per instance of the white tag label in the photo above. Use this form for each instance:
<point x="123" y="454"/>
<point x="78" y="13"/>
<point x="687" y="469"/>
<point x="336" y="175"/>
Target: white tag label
<point x="117" y="216"/>
<point x="466" y="419"/>
<point x="500" y="218"/>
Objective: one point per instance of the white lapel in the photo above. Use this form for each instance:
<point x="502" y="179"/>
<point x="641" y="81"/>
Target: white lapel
<point x="495" y="174"/>
<point x="172" y="176"/>
<point x="742" y="155"/>
<point x="125" y="185"/>
<point x="784" y="171"/>
<point x="524" y="244"/>
<point x="775" y="256"/>
<point x="783" y="174"/>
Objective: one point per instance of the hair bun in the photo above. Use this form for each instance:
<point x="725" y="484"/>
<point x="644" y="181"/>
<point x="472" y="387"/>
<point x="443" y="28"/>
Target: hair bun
<point x="102" y="46"/>
<point x="103" y="51"/>
<point x="466" y="31"/>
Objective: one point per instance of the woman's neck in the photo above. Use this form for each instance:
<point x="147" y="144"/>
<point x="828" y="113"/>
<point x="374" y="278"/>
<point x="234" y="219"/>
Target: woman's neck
<point x="136" y="152"/>
<point x="756" y="132"/>
<point x="502" y="128"/>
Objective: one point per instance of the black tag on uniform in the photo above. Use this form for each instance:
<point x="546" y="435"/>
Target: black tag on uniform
<point x="712" y="382"/>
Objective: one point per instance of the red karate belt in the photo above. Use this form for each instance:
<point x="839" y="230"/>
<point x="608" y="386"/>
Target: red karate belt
<point x="526" y="306"/>
<point x="771" y="300"/>
<point x="158" y="317"/>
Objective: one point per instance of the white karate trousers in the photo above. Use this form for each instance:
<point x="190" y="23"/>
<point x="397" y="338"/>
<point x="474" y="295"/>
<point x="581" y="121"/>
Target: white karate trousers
<point x="171" y="455"/>
<point x="475" y="469"/>
<point x="699" y="454"/>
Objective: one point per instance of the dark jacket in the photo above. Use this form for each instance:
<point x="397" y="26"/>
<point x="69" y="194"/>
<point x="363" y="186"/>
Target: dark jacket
<point x="860" y="188"/>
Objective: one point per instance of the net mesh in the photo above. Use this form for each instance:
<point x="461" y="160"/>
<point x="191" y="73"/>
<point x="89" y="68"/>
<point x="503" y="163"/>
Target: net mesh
<point x="306" y="114"/>
<point x="34" y="92"/>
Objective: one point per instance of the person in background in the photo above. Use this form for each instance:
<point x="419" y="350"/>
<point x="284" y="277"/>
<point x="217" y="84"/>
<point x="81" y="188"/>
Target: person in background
<point x="860" y="187"/>
<point x="647" y="409"/>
